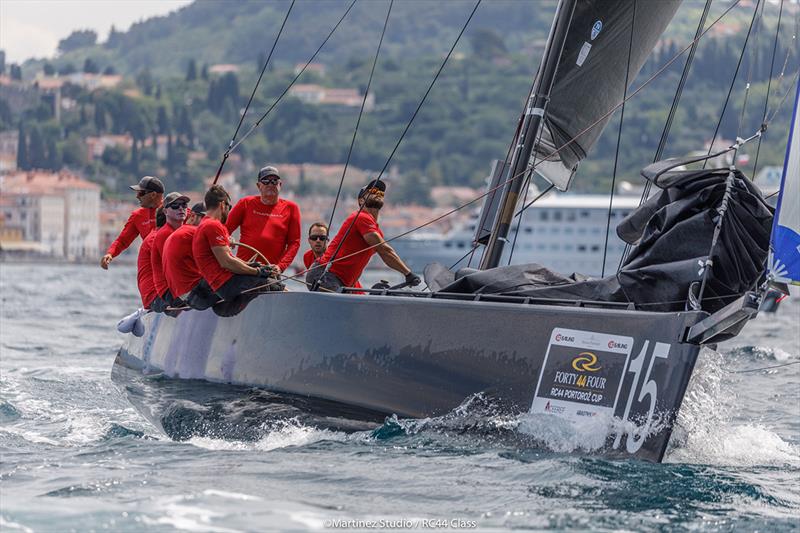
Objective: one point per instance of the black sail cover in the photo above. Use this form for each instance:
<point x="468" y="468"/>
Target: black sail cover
<point x="590" y="81"/>
<point x="671" y="235"/>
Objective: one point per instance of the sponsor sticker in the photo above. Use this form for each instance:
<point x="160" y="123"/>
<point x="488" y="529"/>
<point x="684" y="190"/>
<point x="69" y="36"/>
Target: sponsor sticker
<point x="597" y="27"/>
<point x="583" y="54"/>
<point x="582" y="374"/>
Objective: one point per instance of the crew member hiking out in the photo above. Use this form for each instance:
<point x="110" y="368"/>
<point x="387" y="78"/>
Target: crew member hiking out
<point x="144" y="268"/>
<point x="180" y="269"/>
<point x="268" y="223"/>
<point x="357" y="240"/>
<point x="149" y="192"/>
<point x="175" y="205"/>
<point x="226" y="275"/>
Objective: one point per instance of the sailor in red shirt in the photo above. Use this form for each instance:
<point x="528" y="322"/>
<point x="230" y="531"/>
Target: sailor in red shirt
<point x="175" y="205"/>
<point x="357" y="240"/>
<point x="180" y="269"/>
<point x="144" y="270"/>
<point x="318" y="241"/>
<point x="149" y="192"/>
<point x="268" y="223"/>
<point x="225" y="275"/>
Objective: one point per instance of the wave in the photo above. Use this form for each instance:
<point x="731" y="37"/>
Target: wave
<point x="282" y="434"/>
<point x="706" y="431"/>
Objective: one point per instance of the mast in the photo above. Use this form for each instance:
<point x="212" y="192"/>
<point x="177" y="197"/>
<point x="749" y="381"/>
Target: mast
<point x="528" y="132"/>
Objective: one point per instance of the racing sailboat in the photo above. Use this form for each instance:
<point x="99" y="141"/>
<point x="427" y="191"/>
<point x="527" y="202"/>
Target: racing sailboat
<point x="617" y="352"/>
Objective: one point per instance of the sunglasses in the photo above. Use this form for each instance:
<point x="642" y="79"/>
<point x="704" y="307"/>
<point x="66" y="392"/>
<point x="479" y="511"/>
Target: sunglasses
<point x="139" y="194"/>
<point x="270" y="181"/>
<point x="317" y="237"/>
<point x="178" y="205"/>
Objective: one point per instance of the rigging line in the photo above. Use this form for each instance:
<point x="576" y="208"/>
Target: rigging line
<point x="408" y="125"/>
<point x="733" y="81"/>
<point x="662" y="142"/>
<point x="557" y="150"/>
<point x="750" y="65"/>
<point x="527" y="186"/>
<point x="541" y="194"/>
<point x="252" y="95"/>
<point x="769" y="84"/>
<point x="763" y="368"/>
<point x="294" y="80"/>
<point x="471" y="250"/>
<point x="785" y="94"/>
<point x="425" y="96"/>
<point x="360" y="113"/>
<point x="619" y="140"/>
<point x="580" y="133"/>
<point x="529" y="177"/>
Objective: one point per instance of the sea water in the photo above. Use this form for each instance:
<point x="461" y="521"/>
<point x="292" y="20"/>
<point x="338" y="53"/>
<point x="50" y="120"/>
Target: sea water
<point x="77" y="456"/>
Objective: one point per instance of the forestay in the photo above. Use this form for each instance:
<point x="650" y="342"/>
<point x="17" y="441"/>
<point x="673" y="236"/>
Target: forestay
<point x="784" y="259"/>
<point x="591" y="77"/>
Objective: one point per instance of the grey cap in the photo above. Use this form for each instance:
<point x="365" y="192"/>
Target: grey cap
<point x="199" y="208"/>
<point x="150" y="184"/>
<point x="175" y="197"/>
<point x="268" y="171"/>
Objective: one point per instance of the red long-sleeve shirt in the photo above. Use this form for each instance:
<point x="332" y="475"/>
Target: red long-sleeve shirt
<point x="140" y="223"/>
<point x="144" y="272"/>
<point x="156" y="262"/>
<point x="273" y="230"/>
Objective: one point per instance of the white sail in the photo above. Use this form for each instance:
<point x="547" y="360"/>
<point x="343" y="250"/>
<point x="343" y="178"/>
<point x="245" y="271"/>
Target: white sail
<point x="784" y="257"/>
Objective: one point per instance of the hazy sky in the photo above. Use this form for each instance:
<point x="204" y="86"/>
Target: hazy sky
<point x="32" y="28"/>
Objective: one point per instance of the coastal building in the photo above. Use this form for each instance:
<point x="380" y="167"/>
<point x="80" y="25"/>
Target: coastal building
<point x="9" y="141"/>
<point x="318" y="95"/>
<point x="58" y="211"/>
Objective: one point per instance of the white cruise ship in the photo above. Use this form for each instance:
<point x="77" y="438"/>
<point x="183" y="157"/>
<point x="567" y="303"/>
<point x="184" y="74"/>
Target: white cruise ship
<point x="564" y="232"/>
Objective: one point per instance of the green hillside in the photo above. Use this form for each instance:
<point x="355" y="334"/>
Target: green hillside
<point x="467" y="122"/>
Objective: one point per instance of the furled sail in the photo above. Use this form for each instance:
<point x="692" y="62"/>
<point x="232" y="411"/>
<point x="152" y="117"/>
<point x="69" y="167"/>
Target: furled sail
<point x="591" y="77"/>
<point x="784" y="257"/>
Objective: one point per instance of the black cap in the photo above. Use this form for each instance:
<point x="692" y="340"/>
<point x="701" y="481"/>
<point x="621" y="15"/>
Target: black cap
<point x="149" y="183"/>
<point x="268" y="171"/>
<point x="199" y="208"/>
<point x="374" y="184"/>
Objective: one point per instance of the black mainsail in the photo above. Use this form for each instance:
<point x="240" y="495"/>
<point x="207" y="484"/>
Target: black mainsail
<point x="590" y="82"/>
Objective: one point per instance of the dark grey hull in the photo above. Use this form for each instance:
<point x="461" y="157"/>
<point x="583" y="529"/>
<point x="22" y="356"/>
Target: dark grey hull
<point x="420" y="357"/>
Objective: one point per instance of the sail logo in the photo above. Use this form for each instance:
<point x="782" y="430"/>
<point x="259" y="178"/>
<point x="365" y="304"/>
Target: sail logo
<point x="585" y="362"/>
<point x="597" y="27"/>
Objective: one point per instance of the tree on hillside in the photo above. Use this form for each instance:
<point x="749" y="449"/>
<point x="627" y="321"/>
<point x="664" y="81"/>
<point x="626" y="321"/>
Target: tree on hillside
<point x="145" y="81"/>
<point x="22" y="148"/>
<point x="204" y="72"/>
<point x="100" y="119"/>
<point x="6" y="118"/>
<point x="163" y="121"/>
<point x="109" y="70"/>
<point x="191" y="71"/>
<point x="2" y="62"/>
<point x="90" y="67"/>
<point x="53" y="161"/>
<point x="37" y="153"/>
<point x="76" y="40"/>
<point x="486" y="44"/>
<point x="66" y="70"/>
<point x="16" y="72"/>
<point x="114" y="38"/>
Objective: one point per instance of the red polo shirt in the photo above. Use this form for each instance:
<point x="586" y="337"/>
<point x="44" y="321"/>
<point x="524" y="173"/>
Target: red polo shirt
<point x="179" y="266"/>
<point x="354" y="255"/>
<point x="273" y="230"/>
<point x="144" y="273"/>
<point x="156" y="261"/>
<point x="308" y="258"/>
<point x="139" y="224"/>
<point x="210" y="234"/>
